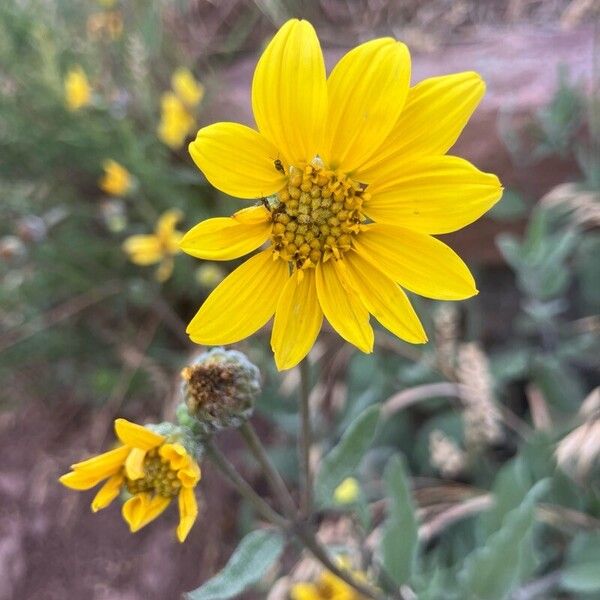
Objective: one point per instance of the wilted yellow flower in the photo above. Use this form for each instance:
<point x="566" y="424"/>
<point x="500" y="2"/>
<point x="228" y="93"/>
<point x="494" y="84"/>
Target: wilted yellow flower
<point x="188" y="90"/>
<point x="347" y="492"/>
<point x="116" y="180"/>
<point x="359" y="182"/>
<point x="328" y="587"/>
<point x="158" y="247"/>
<point x="153" y="469"/>
<point x="78" y="92"/>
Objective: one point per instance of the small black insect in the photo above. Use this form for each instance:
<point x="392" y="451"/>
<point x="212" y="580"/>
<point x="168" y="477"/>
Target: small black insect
<point x="266" y="204"/>
<point x="279" y="166"/>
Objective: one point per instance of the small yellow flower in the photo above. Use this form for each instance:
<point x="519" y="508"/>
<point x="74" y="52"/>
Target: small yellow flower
<point x="158" y="247"/>
<point x="327" y="587"/>
<point x="151" y="468"/>
<point x="176" y="123"/>
<point x="188" y="90"/>
<point x="347" y="492"/>
<point x="359" y="182"/>
<point x="78" y="92"/>
<point x="116" y="180"/>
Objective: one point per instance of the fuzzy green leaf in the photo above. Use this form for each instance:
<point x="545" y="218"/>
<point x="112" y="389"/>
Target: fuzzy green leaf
<point x="343" y="460"/>
<point x="247" y="565"/>
<point x="492" y="571"/>
<point x="399" y="543"/>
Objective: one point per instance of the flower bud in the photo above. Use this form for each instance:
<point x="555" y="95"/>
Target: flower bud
<point x="219" y="390"/>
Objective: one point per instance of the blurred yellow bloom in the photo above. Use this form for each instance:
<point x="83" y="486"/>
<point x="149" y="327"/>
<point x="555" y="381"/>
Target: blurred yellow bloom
<point x="328" y="587"/>
<point x="176" y="123"/>
<point x="78" y="92"/>
<point x="107" y="3"/>
<point x="188" y="90"/>
<point x="158" y="247"/>
<point x="116" y="180"/>
<point x="347" y="492"/>
<point x="355" y="168"/>
<point x="209" y="274"/>
<point x="105" y="23"/>
<point x="151" y="468"/>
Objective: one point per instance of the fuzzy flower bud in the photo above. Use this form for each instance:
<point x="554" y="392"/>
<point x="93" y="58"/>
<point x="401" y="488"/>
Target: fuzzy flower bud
<point x="219" y="390"/>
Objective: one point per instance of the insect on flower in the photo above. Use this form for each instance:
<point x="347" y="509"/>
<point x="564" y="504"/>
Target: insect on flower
<point x="361" y="185"/>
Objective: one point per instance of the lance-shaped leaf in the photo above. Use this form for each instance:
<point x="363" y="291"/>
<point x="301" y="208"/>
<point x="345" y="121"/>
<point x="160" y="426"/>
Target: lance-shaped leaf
<point x="253" y="557"/>
<point x="399" y="543"/>
<point x="343" y="460"/>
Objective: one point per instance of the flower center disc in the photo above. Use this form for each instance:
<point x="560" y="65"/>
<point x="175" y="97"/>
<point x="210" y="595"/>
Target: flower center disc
<point x="158" y="477"/>
<point x="316" y="215"/>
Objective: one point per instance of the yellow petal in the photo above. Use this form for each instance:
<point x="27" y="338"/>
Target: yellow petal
<point x="435" y="113"/>
<point x="237" y="160"/>
<point x="107" y="493"/>
<point x="166" y="223"/>
<point x="384" y="299"/>
<point x="367" y="90"/>
<point x="165" y="269"/>
<point x="188" y="512"/>
<point x="289" y="92"/>
<point x="342" y="307"/>
<point x="305" y="591"/>
<point x="134" y="465"/>
<point x="81" y="480"/>
<point x="225" y="238"/>
<point x="298" y="320"/>
<point x="242" y="303"/>
<point x="436" y="194"/>
<point x="143" y="249"/>
<point x="105" y="463"/>
<point x="189" y="475"/>
<point x="186" y="87"/>
<point x="142" y="509"/>
<point x="175" y="454"/>
<point x="418" y="262"/>
<point x="137" y="436"/>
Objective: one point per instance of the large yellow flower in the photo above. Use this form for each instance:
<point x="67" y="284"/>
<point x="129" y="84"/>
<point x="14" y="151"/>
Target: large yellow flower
<point x="359" y="182"/>
<point x="158" y="247"/>
<point x="151" y="468"/>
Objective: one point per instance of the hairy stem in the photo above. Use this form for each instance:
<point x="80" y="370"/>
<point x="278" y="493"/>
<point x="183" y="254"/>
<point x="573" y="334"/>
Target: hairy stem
<point x="272" y="474"/>
<point x="305" y="440"/>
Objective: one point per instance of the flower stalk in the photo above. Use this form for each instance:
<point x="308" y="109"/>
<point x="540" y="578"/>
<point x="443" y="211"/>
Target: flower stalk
<point x="305" y="439"/>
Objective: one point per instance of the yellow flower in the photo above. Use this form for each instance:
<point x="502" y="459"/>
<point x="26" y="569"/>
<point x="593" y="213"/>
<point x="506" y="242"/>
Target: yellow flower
<point x="116" y="180"/>
<point x="328" y="587"/>
<point x="347" y="492"/>
<point x="176" y="123"/>
<point x="78" y="92"/>
<point x="188" y="90"/>
<point x="158" y="247"/>
<point x="356" y="167"/>
<point x="151" y="468"/>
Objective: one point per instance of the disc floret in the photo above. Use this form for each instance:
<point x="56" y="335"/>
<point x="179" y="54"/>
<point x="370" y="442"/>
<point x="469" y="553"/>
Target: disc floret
<point x="316" y="214"/>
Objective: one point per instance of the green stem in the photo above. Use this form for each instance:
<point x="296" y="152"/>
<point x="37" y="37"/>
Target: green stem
<point x="242" y="486"/>
<point x="305" y="440"/>
<point x="272" y="474"/>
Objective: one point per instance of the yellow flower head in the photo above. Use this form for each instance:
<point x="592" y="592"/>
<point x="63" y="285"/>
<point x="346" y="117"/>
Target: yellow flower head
<point x="347" y="492"/>
<point x="357" y="180"/>
<point x="176" y="123"/>
<point x="158" y="247"/>
<point x="116" y="180"/>
<point x="188" y="90"/>
<point x="78" y="92"/>
<point x="151" y="468"/>
<point x="327" y="587"/>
